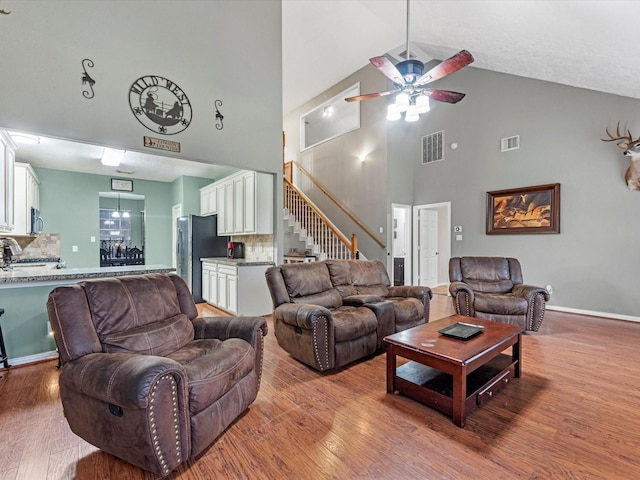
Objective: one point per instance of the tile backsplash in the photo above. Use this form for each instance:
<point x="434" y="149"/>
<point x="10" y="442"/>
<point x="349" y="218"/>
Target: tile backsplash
<point x="45" y="245"/>
<point x="257" y="248"/>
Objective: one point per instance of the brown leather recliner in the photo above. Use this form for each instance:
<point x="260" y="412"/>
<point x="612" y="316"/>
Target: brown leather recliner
<point x="492" y="288"/>
<point x="142" y="376"/>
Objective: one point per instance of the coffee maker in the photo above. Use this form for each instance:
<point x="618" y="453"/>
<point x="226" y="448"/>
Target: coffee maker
<point x="235" y="250"/>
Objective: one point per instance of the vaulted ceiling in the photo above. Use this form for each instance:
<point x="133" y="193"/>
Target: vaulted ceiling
<point x="588" y="44"/>
<point x="582" y="43"/>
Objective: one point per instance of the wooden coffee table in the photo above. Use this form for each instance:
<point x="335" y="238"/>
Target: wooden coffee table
<point x="451" y="375"/>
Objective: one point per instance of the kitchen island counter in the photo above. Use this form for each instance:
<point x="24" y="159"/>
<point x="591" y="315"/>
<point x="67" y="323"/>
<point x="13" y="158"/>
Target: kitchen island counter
<point x="23" y="295"/>
<point x="24" y="276"/>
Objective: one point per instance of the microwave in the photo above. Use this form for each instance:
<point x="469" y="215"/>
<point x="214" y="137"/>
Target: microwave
<point x="37" y="224"/>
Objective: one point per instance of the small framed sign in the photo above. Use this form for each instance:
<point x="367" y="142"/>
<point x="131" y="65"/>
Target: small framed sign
<point x="122" y="185"/>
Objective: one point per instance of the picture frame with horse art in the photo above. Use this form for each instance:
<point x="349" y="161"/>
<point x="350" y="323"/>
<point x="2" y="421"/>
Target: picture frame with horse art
<point x="534" y="209"/>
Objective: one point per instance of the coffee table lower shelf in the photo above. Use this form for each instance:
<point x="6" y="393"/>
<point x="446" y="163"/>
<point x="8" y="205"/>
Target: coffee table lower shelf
<point x="435" y="388"/>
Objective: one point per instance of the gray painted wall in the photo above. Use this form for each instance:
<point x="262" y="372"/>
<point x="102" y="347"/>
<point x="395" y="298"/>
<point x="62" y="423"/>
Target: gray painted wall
<point x="592" y="263"/>
<point x="360" y="186"/>
<point x="211" y="50"/>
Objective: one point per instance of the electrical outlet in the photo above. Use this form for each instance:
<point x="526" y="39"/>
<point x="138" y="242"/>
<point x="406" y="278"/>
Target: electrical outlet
<point x="549" y="289"/>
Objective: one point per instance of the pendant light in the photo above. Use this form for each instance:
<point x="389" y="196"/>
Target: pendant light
<point x="119" y="213"/>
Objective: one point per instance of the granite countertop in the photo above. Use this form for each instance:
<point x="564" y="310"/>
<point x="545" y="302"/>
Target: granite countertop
<point x="25" y="276"/>
<point x="236" y="262"/>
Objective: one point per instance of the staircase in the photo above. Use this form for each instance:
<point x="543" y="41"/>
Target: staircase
<point x="299" y="240"/>
<point x="313" y="229"/>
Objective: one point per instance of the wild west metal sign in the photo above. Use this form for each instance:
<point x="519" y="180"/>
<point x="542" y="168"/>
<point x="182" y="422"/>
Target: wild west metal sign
<point x="160" y="105"/>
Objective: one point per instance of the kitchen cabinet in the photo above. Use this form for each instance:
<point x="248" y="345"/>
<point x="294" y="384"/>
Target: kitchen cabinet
<point x="228" y="288"/>
<point x="244" y="203"/>
<point x="27" y="195"/>
<point x="209" y="200"/>
<point x="210" y="282"/>
<point x="7" y="162"/>
<point x="237" y="287"/>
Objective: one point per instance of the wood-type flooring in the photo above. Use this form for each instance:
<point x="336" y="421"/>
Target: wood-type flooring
<point x="574" y="414"/>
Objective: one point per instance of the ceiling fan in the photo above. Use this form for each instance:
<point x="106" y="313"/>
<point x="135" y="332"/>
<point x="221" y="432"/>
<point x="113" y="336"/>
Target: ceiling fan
<point x="411" y="82"/>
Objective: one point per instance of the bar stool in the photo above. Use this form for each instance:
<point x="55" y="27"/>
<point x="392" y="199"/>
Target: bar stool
<point x="3" y="351"/>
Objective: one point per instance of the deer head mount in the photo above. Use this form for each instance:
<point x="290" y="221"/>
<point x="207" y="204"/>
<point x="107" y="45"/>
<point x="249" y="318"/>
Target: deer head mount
<point x="631" y="149"/>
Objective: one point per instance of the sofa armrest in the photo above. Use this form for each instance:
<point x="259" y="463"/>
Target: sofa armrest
<point x="246" y="328"/>
<point x="302" y="315"/>
<point x="123" y="379"/>
<point x="529" y="291"/>
<point x="421" y="293"/>
<point x="360" y="300"/>
<point x="463" y="298"/>
<point x="460" y="287"/>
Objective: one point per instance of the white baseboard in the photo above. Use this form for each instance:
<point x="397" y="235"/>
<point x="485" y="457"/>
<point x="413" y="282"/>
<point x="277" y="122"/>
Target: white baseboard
<point x="38" y="357"/>
<point x="591" y="313"/>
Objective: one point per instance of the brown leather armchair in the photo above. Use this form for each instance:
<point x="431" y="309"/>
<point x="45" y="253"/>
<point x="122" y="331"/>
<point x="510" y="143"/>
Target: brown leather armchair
<point x="143" y="377"/>
<point x="492" y="288"/>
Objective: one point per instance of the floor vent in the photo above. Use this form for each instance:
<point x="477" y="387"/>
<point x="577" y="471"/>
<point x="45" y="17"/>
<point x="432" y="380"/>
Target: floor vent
<point x="510" y="143"/>
<point x="433" y="147"/>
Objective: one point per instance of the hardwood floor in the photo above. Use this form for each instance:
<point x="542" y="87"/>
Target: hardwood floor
<point x="572" y="415"/>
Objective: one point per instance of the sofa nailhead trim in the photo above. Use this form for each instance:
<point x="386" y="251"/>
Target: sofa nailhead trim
<point x="326" y="344"/>
<point x="154" y="433"/>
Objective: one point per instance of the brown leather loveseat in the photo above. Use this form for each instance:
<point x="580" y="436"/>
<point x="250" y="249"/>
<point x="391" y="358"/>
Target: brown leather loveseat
<point x="142" y="376"/>
<point x="330" y="313"/>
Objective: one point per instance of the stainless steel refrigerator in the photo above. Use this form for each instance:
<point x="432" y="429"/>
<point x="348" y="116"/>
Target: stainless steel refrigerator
<point x="197" y="238"/>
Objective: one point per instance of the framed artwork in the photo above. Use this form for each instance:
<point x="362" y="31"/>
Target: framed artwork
<point x="524" y="210"/>
<point x="121" y="185"/>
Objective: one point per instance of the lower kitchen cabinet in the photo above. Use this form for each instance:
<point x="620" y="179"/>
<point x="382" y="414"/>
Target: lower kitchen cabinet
<point x="237" y="287"/>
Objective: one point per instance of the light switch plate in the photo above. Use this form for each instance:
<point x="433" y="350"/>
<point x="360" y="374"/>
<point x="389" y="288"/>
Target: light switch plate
<point x="74" y="248"/>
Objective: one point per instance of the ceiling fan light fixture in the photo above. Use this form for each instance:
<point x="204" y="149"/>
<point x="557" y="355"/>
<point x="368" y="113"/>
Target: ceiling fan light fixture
<point x="393" y="113"/>
<point x="402" y="102"/>
<point x="422" y="103"/>
<point x="412" y="114"/>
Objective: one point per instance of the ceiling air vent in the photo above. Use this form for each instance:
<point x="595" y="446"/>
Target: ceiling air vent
<point x="510" y="143"/>
<point x="433" y="147"/>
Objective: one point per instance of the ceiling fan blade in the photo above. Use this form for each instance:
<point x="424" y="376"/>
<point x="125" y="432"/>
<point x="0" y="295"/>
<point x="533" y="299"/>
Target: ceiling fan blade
<point x="389" y="69"/>
<point x="370" y="95"/>
<point x="450" y="65"/>
<point x="443" y="95"/>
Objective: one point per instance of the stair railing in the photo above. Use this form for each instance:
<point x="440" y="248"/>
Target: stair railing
<point x="332" y="242"/>
<point x="288" y="175"/>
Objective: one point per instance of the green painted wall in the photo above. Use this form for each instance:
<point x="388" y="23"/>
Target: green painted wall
<point x="24" y="323"/>
<point x="186" y="191"/>
<point x="69" y="204"/>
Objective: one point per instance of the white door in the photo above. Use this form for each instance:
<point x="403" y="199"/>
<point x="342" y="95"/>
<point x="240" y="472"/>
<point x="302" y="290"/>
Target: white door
<point x="428" y="247"/>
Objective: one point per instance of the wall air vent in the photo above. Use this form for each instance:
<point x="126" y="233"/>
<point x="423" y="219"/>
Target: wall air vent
<point x="510" y="143"/>
<point x="433" y="147"/>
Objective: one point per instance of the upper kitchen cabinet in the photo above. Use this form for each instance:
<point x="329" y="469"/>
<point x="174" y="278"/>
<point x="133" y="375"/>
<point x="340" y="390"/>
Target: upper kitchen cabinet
<point x="27" y="195"/>
<point x="7" y="162"/>
<point x="243" y="202"/>
<point x="208" y="200"/>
